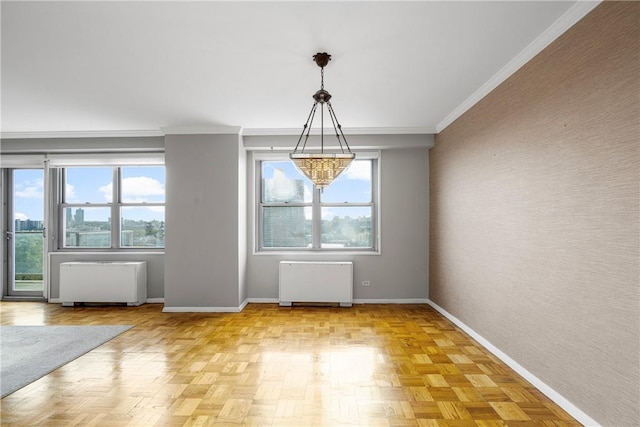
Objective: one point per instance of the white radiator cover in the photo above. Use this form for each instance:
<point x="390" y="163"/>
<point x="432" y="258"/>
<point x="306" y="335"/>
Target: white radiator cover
<point x="104" y="282"/>
<point x="316" y="282"/>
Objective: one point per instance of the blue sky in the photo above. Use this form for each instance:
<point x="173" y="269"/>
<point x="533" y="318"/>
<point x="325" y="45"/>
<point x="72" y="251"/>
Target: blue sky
<point x="93" y="185"/>
<point x="28" y="196"/>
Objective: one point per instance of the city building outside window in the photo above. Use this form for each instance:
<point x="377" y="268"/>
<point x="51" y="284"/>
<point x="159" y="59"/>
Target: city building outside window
<point x="294" y="215"/>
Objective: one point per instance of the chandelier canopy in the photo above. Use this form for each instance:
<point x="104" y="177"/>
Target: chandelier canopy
<point x="322" y="168"/>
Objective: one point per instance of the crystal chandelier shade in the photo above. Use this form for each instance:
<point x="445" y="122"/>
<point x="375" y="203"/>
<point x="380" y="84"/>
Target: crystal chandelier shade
<point x="322" y="168"/>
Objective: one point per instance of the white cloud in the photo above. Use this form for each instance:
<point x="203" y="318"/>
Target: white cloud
<point x="107" y="191"/>
<point x="135" y="189"/>
<point x="69" y="193"/>
<point x="20" y="216"/>
<point x="281" y="188"/>
<point x="142" y="186"/>
<point x="308" y="193"/>
<point x="30" y="190"/>
<point x="358" y="170"/>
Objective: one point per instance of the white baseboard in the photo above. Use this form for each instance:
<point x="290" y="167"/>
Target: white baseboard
<point x="149" y="300"/>
<point x="263" y="300"/>
<point x="206" y="309"/>
<point x="392" y="301"/>
<point x="560" y="400"/>
<point x="201" y="309"/>
<point x="355" y="301"/>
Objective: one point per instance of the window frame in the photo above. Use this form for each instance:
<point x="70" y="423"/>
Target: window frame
<point x="115" y="207"/>
<point x="316" y="206"/>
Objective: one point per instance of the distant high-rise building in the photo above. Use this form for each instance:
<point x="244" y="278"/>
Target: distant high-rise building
<point x="79" y="216"/>
<point x="68" y="215"/>
<point x="28" y="225"/>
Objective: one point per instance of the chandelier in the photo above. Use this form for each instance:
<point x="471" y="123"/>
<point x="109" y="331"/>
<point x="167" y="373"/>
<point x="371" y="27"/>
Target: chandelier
<point x="322" y="168"/>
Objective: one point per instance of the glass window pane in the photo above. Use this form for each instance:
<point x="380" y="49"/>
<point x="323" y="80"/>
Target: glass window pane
<point x="28" y="214"/>
<point x="88" y="185"/>
<point x="87" y="227"/>
<point x="286" y="227"/>
<point x="282" y="182"/>
<point x="346" y="227"/>
<point x="28" y="198"/>
<point x="28" y="263"/>
<point x="353" y="185"/>
<point x="142" y="184"/>
<point x="142" y="227"/>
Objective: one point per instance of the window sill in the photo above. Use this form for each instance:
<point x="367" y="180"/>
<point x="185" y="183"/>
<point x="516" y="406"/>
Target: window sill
<point x="315" y="254"/>
<point x="90" y="251"/>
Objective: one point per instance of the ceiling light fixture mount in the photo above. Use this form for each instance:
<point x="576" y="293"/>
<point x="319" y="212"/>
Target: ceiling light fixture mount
<point x="322" y="168"/>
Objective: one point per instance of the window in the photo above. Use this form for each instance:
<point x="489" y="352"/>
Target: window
<point x="113" y="207"/>
<point x="294" y="215"/>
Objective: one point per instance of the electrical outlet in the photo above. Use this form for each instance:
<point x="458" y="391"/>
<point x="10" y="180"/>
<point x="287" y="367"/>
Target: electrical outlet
<point x="366" y="283"/>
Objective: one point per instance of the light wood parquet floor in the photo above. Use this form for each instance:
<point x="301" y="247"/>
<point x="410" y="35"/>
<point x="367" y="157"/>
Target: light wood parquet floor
<point x="369" y="365"/>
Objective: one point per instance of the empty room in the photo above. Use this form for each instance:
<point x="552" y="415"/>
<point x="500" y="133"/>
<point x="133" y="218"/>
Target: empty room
<point x="320" y="213"/>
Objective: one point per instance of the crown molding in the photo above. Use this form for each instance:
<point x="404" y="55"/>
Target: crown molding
<point x="194" y="130"/>
<point x="562" y="24"/>
<point x="82" y="134"/>
<point x="200" y="130"/>
<point x="347" y="131"/>
<point x="356" y="142"/>
<point x="178" y="130"/>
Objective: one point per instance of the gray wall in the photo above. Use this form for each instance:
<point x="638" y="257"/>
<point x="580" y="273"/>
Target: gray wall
<point x="154" y="260"/>
<point x="242" y="221"/>
<point x="202" y="254"/>
<point x="535" y="216"/>
<point x="400" y="272"/>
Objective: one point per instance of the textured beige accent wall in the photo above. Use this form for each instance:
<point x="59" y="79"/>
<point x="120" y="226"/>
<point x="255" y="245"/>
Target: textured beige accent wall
<point x="534" y="212"/>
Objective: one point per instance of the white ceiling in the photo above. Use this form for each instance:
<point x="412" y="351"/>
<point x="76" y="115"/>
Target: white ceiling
<point x="148" y="67"/>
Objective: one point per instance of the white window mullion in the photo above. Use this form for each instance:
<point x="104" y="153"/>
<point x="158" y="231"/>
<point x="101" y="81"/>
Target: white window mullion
<point x="115" y="209"/>
<point x="316" y="216"/>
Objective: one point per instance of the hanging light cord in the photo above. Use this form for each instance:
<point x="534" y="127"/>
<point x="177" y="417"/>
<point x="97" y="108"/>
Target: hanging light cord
<point x="319" y="97"/>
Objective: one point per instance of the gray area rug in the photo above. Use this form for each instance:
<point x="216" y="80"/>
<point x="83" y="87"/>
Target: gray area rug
<point x="30" y="352"/>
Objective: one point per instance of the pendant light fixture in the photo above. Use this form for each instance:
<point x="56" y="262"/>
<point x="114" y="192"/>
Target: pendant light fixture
<point x="322" y="168"/>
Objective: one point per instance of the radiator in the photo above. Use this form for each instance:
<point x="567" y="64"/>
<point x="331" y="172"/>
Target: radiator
<point x="103" y="282"/>
<point x="316" y="282"/>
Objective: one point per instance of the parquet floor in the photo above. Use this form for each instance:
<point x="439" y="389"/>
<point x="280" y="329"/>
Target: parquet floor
<point x="369" y="365"/>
